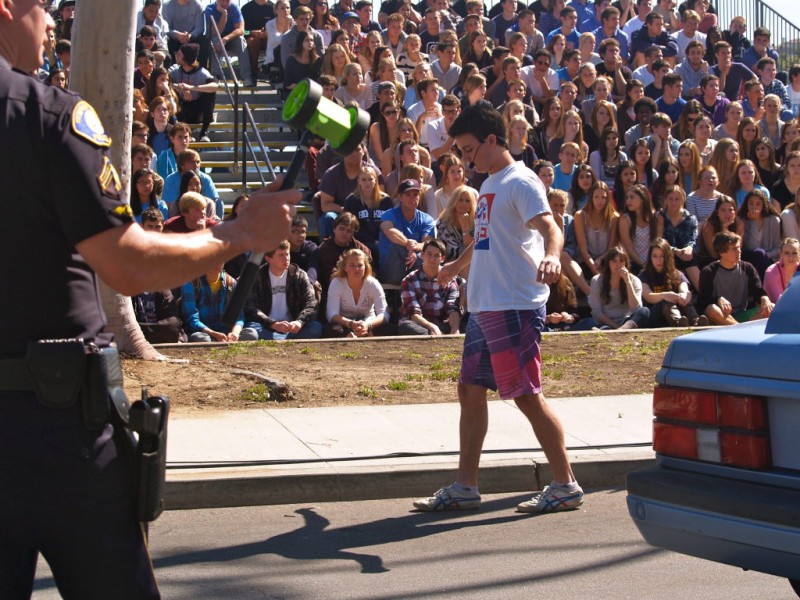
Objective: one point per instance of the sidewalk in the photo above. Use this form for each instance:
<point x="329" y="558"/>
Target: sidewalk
<point x="293" y="455"/>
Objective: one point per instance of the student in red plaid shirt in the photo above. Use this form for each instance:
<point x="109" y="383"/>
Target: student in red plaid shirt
<point x="429" y="308"/>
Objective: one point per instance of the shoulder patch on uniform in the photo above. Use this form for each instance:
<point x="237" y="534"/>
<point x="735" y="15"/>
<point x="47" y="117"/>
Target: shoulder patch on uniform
<point x="86" y="124"/>
<point x="108" y="179"/>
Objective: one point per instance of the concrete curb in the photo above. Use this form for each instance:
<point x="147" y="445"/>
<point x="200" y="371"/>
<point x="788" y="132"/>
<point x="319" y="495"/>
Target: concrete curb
<point x="329" y="482"/>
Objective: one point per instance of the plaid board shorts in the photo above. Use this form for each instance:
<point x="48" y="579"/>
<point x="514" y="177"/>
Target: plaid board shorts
<point x="501" y="351"/>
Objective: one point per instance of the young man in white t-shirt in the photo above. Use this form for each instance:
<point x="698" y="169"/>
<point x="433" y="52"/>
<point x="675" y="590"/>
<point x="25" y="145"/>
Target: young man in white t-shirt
<point x="514" y="257"/>
<point x="283" y="304"/>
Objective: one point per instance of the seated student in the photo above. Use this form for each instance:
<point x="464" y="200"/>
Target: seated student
<point x="666" y="290"/>
<point x="356" y="304"/>
<point x="570" y="130"/>
<point x="672" y="102"/>
<point x="616" y="296"/>
<point x="368" y="203"/>
<point x="780" y="274"/>
<point x="189" y="160"/>
<point x="157" y="312"/>
<point x="145" y="63"/>
<point x="147" y="39"/>
<point x="730" y="289"/>
<point x="283" y="304"/>
<point x="403" y="231"/>
<point x="331" y="249"/>
<point x="196" y="88"/>
<point x="596" y="228"/>
<point x="230" y="23"/>
<point x="558" y="201"/>
<point x="644" y="108"/>
<point x="409" y="153"/>
<point x="192" y="215"/>
<point x="303" y="251"/>
<point x="732" y="75"/>
<point x="639" y="225"/>
<point x="336" y="185"/>
<point x="203" y="303"/>
<point x="565" y="170"/>
<point x="455" y="227"/>
<point x="143" y="195"/>
<point x="761" y="245"/>
<point x="179" y="138"/>
<point x="428" y="307"/>
<point x="661" y="143"/>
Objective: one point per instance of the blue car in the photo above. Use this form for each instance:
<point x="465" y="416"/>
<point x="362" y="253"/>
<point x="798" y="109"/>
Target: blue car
<point x="726" y="485"/>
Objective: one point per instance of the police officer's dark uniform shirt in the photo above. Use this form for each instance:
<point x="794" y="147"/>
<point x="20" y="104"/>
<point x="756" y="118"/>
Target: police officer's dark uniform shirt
<point x="59" y="188"/>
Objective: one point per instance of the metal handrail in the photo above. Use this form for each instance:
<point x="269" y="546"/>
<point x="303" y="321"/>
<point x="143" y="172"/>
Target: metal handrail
<point x="785" y="35"/>
<point x="249" y="119"/>
<point x="227" y="70"/>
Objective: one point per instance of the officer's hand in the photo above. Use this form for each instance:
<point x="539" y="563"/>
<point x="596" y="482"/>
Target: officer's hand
<point x="266" y="218"/>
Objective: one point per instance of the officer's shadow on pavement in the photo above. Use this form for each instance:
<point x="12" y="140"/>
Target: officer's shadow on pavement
<point x="314" y="540"/>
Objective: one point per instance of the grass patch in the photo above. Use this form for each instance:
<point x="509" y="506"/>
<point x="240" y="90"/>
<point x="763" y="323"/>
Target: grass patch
<point x="445" y="375"/>
<point x="397" y="386"/>
<point x="413" y="355"/>
<point x="367" y="392"/>
<point x="414" y="377"/>
<point x="436" y="366"/>
<point x="306" y="350"/>
<point x="556" y="374"/>
<point x="348" y="355"/>
<point x="257" y="393"/>
<point x="450" y="356"/>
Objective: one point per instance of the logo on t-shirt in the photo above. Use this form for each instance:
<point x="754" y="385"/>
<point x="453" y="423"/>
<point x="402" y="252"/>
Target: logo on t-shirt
<point x="483" y="215"/>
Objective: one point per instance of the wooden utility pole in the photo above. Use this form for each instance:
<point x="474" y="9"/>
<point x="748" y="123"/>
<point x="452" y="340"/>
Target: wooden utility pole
<point x="103" y="38"/>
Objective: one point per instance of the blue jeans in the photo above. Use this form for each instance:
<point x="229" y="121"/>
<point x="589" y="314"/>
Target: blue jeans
<point x="393" y="265"/>
<point x="311" y="330"/>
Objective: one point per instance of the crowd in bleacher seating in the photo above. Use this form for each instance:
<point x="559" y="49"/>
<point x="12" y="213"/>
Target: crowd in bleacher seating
<point x="669" y="146"/>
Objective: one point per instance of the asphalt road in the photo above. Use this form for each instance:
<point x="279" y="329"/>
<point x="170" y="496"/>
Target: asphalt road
<point x="383" y="550"/>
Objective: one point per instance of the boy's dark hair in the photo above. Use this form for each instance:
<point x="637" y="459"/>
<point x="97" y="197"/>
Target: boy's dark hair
<point x="143" y="53"/>
<point x="152" y="214"/>
<point x="147" y="31"/>
<point x="347" y="219"/>
<point x="541" y="164"/>
<point x="481" y="120"/>
<point x="450" y="100"/>
<point x="671" y="79"/>
<point x="762" y="32"/>
<point x="299" y="221"/>
<point x="660" y="119"/>
<point x="62" y="46"/>
<point x="361" y="4"/>
<point x="724" y="240"/>
<point x="705" y="79"/>
<point x="659" y="64"/>
<point x="763" y="62"/>
<point x="141" y="148"/>
<point x="435" y="242"/>
<point x="499" y="52"/>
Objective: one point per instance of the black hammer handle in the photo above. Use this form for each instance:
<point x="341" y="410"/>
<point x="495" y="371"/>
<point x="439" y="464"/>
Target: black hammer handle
<point x="250" y="271"/>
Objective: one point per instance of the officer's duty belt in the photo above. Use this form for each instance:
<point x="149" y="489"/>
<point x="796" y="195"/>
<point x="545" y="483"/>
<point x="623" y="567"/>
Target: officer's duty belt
<point x="14" y="375"/>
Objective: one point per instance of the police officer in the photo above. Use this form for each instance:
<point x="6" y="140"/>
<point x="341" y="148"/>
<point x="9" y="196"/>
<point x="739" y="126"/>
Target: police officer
<point x="65" y="488"/>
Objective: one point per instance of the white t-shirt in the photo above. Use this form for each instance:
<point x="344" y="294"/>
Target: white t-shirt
<point x="683" y="40"/>
<point x="506" y="255"/>
<point x="526" y="74"/>
<point x="633" y="25"/>
<point x="280" y="309"/>
<point x="434" y="134"/>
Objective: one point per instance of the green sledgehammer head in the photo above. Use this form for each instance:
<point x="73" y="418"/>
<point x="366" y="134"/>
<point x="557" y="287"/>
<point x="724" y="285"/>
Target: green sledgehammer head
<point x="307" y="108"/>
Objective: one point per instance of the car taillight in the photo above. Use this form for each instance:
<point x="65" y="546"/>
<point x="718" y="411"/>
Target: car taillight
<point x="701" y="425"/>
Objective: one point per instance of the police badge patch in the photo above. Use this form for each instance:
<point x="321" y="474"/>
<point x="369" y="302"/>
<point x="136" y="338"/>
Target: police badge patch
<point x="86" y="124"/>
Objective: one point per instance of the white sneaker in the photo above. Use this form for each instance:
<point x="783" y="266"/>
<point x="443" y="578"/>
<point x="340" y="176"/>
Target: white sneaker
<point x="448" y="498"/>
<point x="552" y="498"/>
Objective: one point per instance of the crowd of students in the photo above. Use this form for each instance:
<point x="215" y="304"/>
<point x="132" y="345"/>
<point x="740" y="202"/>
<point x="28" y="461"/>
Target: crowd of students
<point x="668" y="147"/>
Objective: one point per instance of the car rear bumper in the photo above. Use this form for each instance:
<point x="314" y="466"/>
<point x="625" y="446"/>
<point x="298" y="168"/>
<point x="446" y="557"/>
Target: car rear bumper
<point x="744" y="524"/>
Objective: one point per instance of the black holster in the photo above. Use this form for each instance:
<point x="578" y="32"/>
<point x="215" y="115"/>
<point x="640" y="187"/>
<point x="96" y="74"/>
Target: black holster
<point x="148" y="418"/>
<point x="63" y="372"/>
